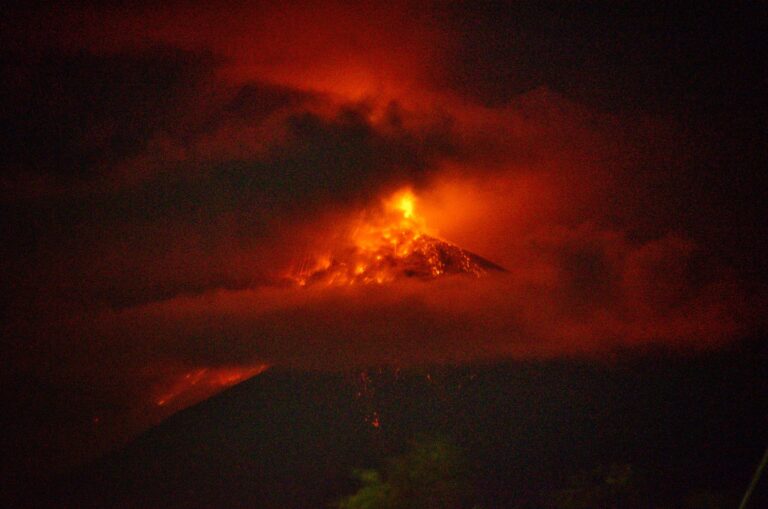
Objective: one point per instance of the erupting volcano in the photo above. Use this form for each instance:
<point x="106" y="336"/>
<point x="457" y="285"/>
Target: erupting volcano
<point x="389" y="243"/>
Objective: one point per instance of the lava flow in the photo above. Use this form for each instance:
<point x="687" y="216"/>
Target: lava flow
<point x="201" y="383"/>
<point x="389" y="243"/>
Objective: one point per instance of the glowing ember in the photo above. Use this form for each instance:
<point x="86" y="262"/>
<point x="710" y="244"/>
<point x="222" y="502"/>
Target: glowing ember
<point x="389" y="243"/>
<point x="204" y="382"/>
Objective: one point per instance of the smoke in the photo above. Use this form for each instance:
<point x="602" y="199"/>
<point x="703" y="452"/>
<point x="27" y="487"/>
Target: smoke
<point x="573" y="292"/>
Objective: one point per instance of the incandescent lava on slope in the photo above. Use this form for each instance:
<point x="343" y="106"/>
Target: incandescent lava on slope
<point x="200" y="383"/>
<point x="389" y="243"/>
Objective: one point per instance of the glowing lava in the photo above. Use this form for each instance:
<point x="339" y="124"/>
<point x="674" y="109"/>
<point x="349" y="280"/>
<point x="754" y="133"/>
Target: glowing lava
<point x="204" y="382"/>
<point x="389" y="243"/>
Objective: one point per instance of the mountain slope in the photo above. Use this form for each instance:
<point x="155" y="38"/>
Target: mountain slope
<point x="292" y="439"/>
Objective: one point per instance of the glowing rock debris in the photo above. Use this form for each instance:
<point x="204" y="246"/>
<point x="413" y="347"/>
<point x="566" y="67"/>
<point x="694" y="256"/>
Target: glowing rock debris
<point x="390" y="242"/>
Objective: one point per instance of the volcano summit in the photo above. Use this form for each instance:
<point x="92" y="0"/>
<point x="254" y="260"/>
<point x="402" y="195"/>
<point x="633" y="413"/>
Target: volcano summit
<point x="388" y="244"/>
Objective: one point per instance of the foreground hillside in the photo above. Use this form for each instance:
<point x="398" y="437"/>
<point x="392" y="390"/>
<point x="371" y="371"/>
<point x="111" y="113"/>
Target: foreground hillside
<point x="687" y="431"/>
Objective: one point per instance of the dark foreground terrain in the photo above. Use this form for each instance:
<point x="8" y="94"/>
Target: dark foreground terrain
<point x="684" y="430"/>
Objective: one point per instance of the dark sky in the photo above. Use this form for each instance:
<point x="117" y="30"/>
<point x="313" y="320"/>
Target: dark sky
<point x="162" y="166"/>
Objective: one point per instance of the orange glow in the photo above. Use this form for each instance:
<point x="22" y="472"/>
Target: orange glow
<point x="382" y="50"/>
<point x="386" y="243"/>
<point x="404" y="202"/>
<point x="204" y="382"/>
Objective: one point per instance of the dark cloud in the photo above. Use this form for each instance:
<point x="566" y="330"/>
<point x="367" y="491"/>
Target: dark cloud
<point x="617" y="57"/>
<point x="692" y="70"/>
<point x="72" y="116"/>
<point x="177" y="228"/>
<point x="348" y="155"/>
<point x="256" y="101"/>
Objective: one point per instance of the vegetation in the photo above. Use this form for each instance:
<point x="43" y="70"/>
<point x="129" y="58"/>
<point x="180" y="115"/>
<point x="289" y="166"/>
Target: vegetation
<point x="430" y="475"/>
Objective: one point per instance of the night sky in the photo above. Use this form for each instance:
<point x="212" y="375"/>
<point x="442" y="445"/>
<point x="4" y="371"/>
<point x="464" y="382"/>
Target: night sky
<point x="164" y="166"/>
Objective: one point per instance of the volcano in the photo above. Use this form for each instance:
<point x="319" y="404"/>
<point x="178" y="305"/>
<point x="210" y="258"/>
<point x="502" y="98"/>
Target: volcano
<point x="426" y="258"/>
<point x="389" y="243"/>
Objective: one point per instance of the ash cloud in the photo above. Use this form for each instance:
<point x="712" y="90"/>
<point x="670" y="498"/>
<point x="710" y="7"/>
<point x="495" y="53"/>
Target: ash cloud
<point x="589" y="293"/>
